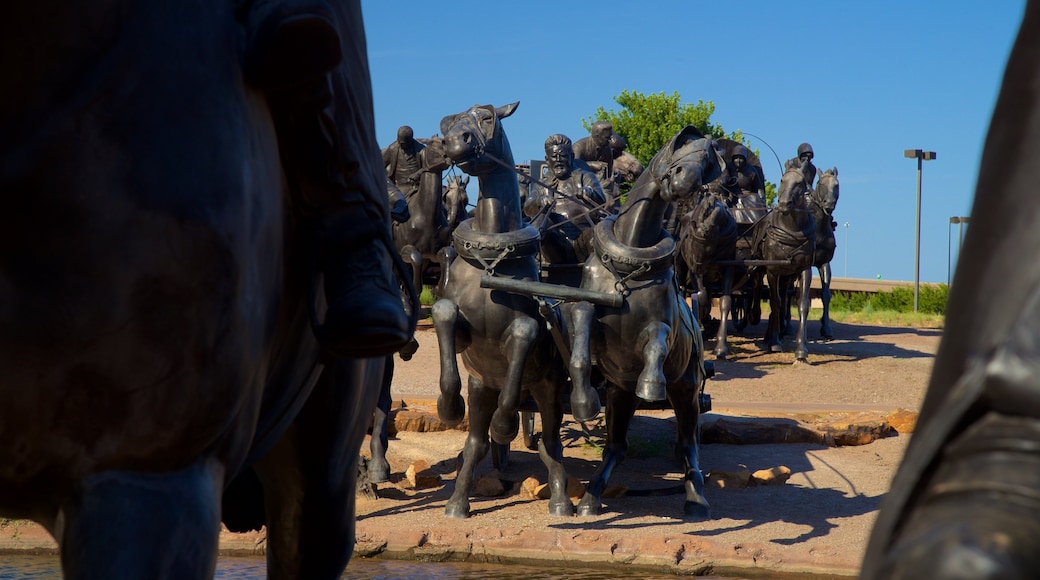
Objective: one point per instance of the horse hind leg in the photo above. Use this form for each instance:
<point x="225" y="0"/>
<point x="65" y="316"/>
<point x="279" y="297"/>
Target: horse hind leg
<point x="683" y="399"/>
<point x="621" y="407"/>
<point x="550" y="447"/>
<point x="801" y="351"/>
<point x="825" y="297"/>
<point x="131" y="524"/>
<point x="379" y="467"/>
<point x="725" y="306"/>
<point x="482" y="402"/>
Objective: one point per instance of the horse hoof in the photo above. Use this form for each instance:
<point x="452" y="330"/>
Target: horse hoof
<point x="721" y="354"/>
<point x="563" y="509"/>
<point x="505" y="427"/>
<point x="694" y="511"/>
<point x="651" y="391"/>
<point x="586" y="408"/>
<point x="378" y="473"/>
<point x="801" y="356"/>
<point x="589" y="506"/>
<point x="457" y="511"/>
<point x="451" y="409"/>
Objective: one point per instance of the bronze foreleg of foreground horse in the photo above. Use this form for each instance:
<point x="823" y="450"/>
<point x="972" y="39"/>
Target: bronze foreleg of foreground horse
<point x="309" y="475"/>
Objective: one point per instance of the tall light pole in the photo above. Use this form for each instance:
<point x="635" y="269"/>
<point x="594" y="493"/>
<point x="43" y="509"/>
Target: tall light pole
<point x="846" y="249"/>
<point x="960" y="221"/>
<point x="921" y="156"/>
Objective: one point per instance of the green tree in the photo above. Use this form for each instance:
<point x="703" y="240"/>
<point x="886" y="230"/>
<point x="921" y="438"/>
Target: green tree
<point x="647" y="122"/>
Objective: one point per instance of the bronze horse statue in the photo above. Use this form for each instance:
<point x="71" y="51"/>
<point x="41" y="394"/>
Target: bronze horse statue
<point x="421" y="238"/>
<point x="157" y="319"/>
<point x="456" y="200"/>
<point x="964" y="502"/>
<point x="504" y="345"/>
<point x="822" y="201"/>
<point x="650" y="348"/>
<point x="705" y="258"/>
<point x="786" y="239"/>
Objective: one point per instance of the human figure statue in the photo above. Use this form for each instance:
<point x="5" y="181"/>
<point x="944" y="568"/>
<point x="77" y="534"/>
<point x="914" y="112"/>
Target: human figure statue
<point x="743" y="188"/>
<point x="291" y="47"/>
<point x="406" y="159"/>
<point x="597" y="152"/>
<point x="573" y="191"/>
<point x="805" y="156"/>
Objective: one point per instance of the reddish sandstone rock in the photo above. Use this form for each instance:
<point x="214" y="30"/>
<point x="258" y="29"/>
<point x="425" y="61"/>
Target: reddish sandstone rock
<point x="773" y="476"/>
<point x="903" y="420"/>
<point x="420" y="476"/>
<point x="730" y="477"/>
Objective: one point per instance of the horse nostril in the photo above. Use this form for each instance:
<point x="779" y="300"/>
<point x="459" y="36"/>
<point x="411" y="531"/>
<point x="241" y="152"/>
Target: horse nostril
<point x="467" y="137"/>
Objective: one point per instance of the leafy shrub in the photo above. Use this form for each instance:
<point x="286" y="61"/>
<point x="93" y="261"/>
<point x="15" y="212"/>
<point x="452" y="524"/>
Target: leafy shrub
<point x="931" y="300"/>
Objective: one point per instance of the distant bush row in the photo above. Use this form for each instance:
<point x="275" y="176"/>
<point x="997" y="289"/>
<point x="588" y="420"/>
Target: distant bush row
<point x="932" y="300"/>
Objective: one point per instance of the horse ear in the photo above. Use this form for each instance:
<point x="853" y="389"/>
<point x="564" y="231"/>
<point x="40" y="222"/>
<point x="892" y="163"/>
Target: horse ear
<point x="834" y="170"/>
<point x="446" y="123"/>
<point x="465" y="180"/>
<point x="506" y="110"/>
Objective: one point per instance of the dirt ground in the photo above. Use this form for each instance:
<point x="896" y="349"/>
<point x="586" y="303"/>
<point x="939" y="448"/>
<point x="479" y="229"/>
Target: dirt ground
<point x="818" y="522"/>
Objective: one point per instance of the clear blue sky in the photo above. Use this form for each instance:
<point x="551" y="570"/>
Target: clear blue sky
<point x="860" y="81"/>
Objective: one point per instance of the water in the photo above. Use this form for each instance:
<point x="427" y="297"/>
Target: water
<point x="47" y="567"/>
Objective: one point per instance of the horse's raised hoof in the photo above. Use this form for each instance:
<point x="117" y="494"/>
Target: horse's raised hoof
<point x="651" y="390"/>
<point x="505" y="426"/>
<point x="693" y="511"/>
<point x="451" y="409"/>
<point x="409" y="350"/>
<point x="563" y="509"/>
<point x="589" y="506"/>
<point x="587" y="407"/>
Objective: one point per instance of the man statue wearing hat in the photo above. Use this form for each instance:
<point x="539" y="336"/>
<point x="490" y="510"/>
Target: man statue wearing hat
<point x="805" y="155"/>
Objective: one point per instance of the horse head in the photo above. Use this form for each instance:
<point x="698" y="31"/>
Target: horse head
<point x="791" y="193"/>
<point x="686" y="162"/>
<point x="826" y="192"/>
<point x="475" y="141"/>
<point x="474" y="138"/>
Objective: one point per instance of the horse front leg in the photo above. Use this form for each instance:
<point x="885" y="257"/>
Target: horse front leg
<point x="725" y="306"/>
<point x="549" y="398"/>
<point x="621" y="406"/>
<point x="451" y="408"/>
<point x="776" y="316"/>
<point x="413" y="257"/>
<point x="309" y="476"/>
<point x="683" y="398"/>
<point x="584" y="400"/>
<point x="825" y="298"/>
<point x="516" y="345"/>
<point x="801" y="352"/>
<point x="482" y="403"/>
<point x="653" y="344"/>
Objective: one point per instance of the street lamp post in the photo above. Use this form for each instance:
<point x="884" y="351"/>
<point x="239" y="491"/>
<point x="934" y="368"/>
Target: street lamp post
<point x="921" y="156"/>
<point x="846" y="249"/>
<point x="960" y="221"/>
